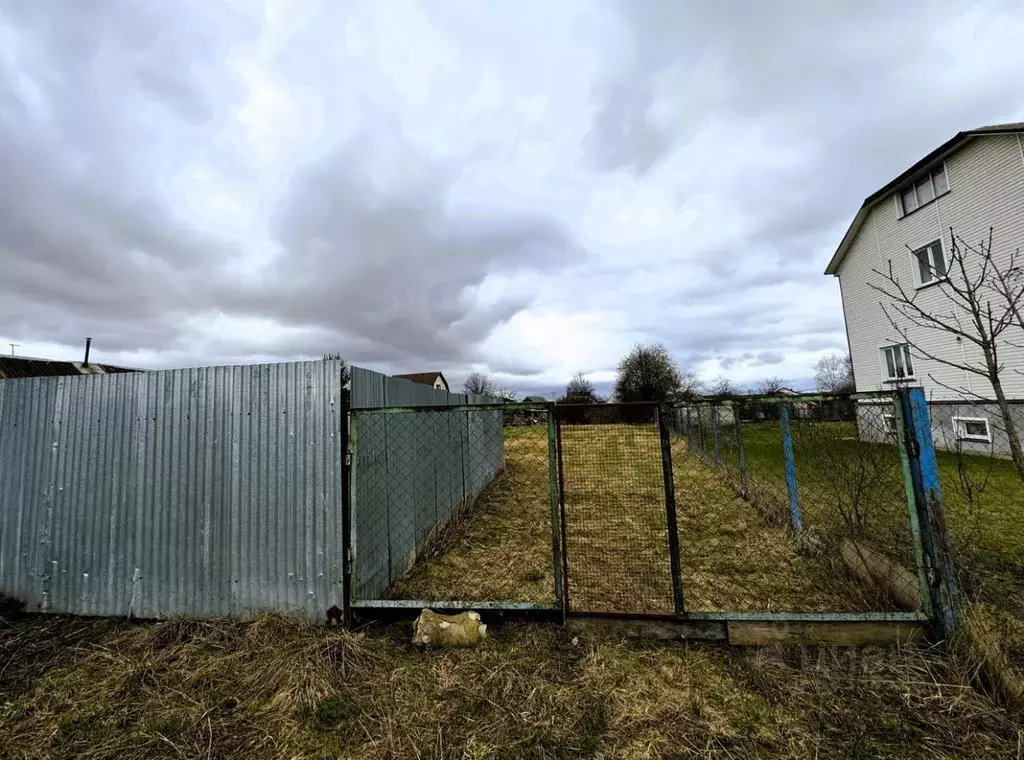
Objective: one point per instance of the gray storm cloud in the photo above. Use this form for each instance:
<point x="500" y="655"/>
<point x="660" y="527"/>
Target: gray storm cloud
<point x="462" y="170"/>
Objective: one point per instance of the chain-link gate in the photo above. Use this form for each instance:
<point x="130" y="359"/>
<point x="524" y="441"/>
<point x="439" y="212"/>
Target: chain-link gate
<point x="620" y="548"/>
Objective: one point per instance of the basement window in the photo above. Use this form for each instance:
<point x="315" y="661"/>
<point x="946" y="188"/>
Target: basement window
<point x="890" y="423"/>
<point x="972" y="429"/>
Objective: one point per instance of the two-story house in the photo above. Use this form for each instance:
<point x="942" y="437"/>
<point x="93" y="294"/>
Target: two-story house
<point x="970" y="183"/>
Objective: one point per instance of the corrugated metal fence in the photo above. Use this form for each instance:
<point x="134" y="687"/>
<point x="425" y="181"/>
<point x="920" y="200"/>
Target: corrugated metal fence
<point x="413" y="471"/>
<point x="200" y="492"/>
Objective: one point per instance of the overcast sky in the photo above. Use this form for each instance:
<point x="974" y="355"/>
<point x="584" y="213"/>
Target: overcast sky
<point x="523" y="188"/>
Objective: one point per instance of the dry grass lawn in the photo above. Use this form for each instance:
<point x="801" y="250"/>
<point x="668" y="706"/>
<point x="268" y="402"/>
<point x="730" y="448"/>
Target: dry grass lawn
<point x="501" y="550"/>
<point x="617" y="536"/>
<point x="274" y="688"/>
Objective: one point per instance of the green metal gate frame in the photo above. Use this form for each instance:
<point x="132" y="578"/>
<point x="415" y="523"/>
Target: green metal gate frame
<point x="924" y="502"/>
<point x="352" y="604"/>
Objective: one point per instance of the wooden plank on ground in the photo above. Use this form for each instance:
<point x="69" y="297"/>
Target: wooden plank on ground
<point x="665" y="630"/>
<point x="844" y="633"/>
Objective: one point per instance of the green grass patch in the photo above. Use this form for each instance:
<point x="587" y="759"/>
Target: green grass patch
<point x="983" y="496"/>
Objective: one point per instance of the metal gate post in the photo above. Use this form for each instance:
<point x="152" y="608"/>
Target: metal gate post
<point x="348" y="465"/>
<point x="714" y="433"/>
<point x="903" y="438"/>
<point x="924" y="472"/>
<point x="795" y="520"/>
<point x="670" y="514"/>
<point x="557" y="511"/>
<point x="742" y="455"/>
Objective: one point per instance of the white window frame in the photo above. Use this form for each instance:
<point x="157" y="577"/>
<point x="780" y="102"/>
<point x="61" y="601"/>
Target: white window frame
<point x="960" y="429"/>
<point x="915" y="264"/>
<point x="929" y="178"/>
<point x="884" y="367"/>
<point x="888" y="417"/>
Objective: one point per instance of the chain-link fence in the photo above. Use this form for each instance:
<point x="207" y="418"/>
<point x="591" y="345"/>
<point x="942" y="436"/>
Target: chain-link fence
<point x="749" y="506"/>
<point x="983" y="495"/>
<point x="453" y="505"/>
<point x="796" y="504"/>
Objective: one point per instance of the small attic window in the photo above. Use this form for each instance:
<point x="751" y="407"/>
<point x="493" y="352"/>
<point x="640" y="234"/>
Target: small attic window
<point x="924" y="190"/>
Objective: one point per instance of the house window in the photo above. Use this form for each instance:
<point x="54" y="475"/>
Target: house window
<point x="972" y="429"/>
<point x="930" y="264"/>
<point x="924" y="191"/>
<point x="897" y="363"/>
<point x="890" y="423"/>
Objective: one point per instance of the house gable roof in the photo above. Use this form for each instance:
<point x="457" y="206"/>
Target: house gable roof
<point x="958" y="141"/>
<point x="424" y="378"/>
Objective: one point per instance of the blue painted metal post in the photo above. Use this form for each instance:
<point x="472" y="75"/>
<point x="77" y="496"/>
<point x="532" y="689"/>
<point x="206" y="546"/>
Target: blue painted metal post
<point x="924" y="471"/>
<point x="714" y="435"/>
<point x="795" y="520"/>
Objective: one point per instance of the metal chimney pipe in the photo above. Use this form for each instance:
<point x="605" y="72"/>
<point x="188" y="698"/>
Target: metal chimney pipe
<point x="88" y="343"/>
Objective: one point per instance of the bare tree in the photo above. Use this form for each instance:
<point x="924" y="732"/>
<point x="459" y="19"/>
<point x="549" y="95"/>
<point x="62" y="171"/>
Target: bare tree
<point x="770" y="386"/>
<point x="579" y="390"/>
<point x="690" y="386"/>
<point x="479" y="384"/>
<point x="722" y="386"/>
<point x="983" y="300"/>
<point x="507" y="395"/>
<point x="834" y="374"/>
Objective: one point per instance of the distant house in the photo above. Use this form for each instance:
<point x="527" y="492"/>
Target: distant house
<point x="15" y="367"/>
<point x="433" y="379"/>
<point x="534" y="400"/>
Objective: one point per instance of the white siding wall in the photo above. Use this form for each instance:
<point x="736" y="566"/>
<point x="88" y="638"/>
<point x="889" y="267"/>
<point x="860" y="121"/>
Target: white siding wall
<point x="986" y="180"/>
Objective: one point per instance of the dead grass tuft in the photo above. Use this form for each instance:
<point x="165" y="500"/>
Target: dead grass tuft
<point x="991" y="648"/>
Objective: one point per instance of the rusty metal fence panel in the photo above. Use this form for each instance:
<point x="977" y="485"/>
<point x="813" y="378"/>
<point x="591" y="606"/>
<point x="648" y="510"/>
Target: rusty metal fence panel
<point x="201" y="492"/>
